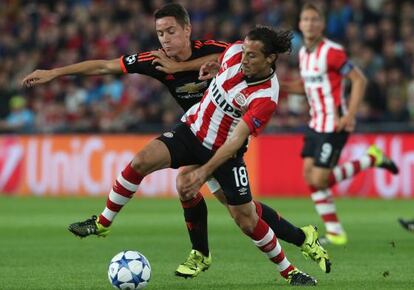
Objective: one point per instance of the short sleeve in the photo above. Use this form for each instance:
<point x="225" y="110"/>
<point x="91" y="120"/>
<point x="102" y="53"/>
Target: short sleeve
<point x="338" y="61"/>
<point x="138" y="63"/>
<point x="258" y="114"/>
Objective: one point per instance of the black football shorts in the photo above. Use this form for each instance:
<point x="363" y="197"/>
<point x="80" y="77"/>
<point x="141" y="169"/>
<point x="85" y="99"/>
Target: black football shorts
<point x="324" y="148"/>
<point x="185" y="149"/>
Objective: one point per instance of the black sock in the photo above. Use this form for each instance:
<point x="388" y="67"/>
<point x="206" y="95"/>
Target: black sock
<point x="283" y="229"/>
<point x="195" y="215"/>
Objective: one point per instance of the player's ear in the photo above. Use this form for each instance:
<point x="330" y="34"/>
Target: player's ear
<point x="187" y="30"/>
<point x="271" y="59"/>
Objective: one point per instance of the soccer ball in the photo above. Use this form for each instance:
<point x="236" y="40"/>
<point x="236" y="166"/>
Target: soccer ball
<point x="129" y="270"/>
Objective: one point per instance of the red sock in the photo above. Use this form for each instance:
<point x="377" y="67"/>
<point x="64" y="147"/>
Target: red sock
<point x="124" y="188"/>
<point x="265" y="239"/>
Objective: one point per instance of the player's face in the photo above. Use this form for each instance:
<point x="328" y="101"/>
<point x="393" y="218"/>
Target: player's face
<point x="311" y="24"/>
<point x="254" y="62"/>
<point x="173" y="37"/>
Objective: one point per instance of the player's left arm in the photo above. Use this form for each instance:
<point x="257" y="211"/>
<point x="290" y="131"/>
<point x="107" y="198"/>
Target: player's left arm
<point x="339" y="63"/>
<point x="170" y="66"/>
<point x="259" y="113"/>
<point x="358" y="85"/>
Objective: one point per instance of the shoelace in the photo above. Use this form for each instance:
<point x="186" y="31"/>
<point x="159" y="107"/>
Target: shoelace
<point x="89" y="222"/>
<point x="316" y="255"/>
<point x="190" y="262"/>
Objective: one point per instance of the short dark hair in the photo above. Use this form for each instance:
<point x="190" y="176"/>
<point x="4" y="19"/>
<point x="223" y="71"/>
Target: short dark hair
<point x="175" y="10"/>
<point x="274" y="41"/>
<point x="314" y="7"/>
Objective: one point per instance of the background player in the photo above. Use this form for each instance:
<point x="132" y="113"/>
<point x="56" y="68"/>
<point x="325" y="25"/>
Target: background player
<point x="323" y="67"/>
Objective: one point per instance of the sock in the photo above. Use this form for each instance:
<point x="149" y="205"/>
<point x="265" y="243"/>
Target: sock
<point x="326" y="209"/>
<point x="124" y="188"/>
<point x="265" y="239"/>
<point x="350" y="169"/>
<point x="195" y="215"/>
<point x="283" y="229"/>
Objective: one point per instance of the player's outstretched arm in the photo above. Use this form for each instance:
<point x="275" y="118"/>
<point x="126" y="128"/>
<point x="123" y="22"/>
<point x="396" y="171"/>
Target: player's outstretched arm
<point x="198" y="177"/>
<point x="170" y="66"/>
<point x="89" y="67"/>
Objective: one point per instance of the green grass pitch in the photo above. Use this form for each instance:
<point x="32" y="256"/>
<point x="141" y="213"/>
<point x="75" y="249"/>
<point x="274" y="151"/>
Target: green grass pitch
<point x="37" y="251"/>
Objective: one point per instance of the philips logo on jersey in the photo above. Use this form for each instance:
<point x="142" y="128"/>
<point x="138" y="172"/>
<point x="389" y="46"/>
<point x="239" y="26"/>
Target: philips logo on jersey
<point x="221" y="102"/>
<point x="313" y="79"/>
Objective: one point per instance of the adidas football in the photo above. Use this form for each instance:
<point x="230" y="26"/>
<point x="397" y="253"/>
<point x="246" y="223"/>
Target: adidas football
<point x="129" y="270"/>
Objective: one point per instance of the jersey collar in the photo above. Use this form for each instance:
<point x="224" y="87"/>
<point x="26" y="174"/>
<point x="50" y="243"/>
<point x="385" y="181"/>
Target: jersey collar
<point x="258" y="81"/>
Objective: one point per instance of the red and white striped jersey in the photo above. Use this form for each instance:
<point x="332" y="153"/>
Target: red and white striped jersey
<point x="230" y="98"/>
<point x="322" y="71"/>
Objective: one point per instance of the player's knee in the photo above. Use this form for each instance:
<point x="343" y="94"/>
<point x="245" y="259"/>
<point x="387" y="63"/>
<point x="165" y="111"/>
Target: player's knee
<point x="180" y="182"/>
<point x="319" y="182"/>
<point x="307" y="177"/>
<point x="140" y="163"/>
<point x="185" y="196"/>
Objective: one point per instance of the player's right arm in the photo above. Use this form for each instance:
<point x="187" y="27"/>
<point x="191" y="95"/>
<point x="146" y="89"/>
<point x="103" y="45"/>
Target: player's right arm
<point x="195" y="178"/>
<point x="89" y="67"/>
<point x="293" y="87"/>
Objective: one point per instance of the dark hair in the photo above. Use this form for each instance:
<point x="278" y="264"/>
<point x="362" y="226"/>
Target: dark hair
<point x="175" y="10"/>
<point x="273" y="41"/>
<point x="314" y="7"/>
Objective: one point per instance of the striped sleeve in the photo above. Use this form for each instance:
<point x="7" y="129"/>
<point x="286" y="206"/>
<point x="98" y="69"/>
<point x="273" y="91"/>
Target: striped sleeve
<point x="338" y="61"/>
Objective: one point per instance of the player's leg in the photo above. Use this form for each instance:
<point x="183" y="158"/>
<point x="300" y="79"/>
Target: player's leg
<point x="374" y="157"/>
<point x="265" y="239"/>
<point x="195" y="216"/>
<point x="320" y="153"/>
<point x="152" y="157"/>
<point x="234" y="179"/>
<point x="325" y="206"/>
<point x="306" y="238"/>
<point x="282" y="228"/>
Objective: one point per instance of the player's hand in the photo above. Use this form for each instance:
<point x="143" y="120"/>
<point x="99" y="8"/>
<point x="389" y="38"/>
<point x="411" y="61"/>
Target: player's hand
<point x="208" y="70"/>
<point x="165" y="64"/>
<point x="38" y="77"/>
<point x="194" y="179"/>
<point x="346" y="123"/>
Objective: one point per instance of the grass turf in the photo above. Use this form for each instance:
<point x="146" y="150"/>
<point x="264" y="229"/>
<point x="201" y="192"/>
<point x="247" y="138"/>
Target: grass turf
<point x="37" y="251"/>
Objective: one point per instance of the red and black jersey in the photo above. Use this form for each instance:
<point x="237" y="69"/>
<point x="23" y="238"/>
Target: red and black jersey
<point x="185" y="87"/>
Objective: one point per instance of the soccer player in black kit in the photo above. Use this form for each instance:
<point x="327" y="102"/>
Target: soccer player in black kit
<point x="173" y="28"/>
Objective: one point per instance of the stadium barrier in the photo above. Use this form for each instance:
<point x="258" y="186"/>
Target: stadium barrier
<point x="87" y="165"/>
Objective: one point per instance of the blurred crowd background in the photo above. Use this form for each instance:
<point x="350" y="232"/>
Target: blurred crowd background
<point x="377" y="34"/>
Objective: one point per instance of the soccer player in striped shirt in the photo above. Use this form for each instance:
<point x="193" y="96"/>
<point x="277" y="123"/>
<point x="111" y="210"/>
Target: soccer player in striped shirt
<point x="323" y="67"/>
<point x="239" y="102"/>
